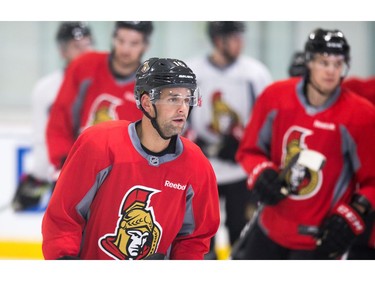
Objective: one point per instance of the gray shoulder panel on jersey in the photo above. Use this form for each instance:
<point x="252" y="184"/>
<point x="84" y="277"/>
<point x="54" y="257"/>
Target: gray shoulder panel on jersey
<point x="350" y="166"/>
<point x="188" y="225"/>
<point x="265" y="133"/>
<point x="83" y="207"/>
<point x="77" y="105"/>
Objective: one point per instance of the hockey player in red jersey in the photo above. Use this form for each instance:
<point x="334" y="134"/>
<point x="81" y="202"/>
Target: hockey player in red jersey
<point x="363" y="248"/>
<point x="73" y="39"/>
<point x="133" y="190"/>
<point x="321" y="216"/>
<point x="97" y="87"/>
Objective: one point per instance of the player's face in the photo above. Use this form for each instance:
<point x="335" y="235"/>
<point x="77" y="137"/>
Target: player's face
<point x="172" y="109"/>
<point x="129" y="46"/>
<point x="326" y="71"/>
<point x="74" y="48"/>
<point x="231" y="46"/>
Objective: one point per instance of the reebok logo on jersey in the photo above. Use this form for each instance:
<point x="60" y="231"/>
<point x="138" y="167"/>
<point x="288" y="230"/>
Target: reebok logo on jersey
<point x="174" y="185"/>
<point x="324" y="125"/>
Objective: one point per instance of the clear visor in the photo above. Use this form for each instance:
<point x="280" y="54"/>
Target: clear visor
<point x="176" y="96"/>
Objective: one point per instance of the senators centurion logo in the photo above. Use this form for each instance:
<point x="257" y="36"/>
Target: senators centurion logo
<point x="137" y="234"/>
<point x="302" y="181"/>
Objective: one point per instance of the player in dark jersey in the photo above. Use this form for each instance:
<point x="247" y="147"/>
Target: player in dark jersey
<point x="133" y="190"/>
<point x="97" y="87"/>
<point x="319" y="216"/>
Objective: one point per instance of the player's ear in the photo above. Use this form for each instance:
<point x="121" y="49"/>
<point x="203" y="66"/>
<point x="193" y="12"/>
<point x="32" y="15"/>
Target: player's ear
<point x="146" y="103"/>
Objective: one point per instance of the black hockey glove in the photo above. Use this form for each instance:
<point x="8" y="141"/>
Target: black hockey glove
<point x="228" y="148"/>
<point x="29" y="193"/>
<point x="267" y="187"/>
<point x="339" y="231"/>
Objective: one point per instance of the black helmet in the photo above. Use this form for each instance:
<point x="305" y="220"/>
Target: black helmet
<point x="158" y="73"/>
<point x="297" y="66"/>
<point x="220" y="28"/>
<point x="72" y="30"/>
<point x="327" y="41"/>
<point x="145" y="27"/>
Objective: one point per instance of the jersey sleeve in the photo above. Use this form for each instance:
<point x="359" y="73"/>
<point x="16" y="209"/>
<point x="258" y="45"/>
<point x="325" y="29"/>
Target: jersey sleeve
<point x="63" y="224"/>
<point x="365" y="148"/>
<point x="254" y="152"/>
<point x="60" y="132"/>
<point x="206" y="214"/>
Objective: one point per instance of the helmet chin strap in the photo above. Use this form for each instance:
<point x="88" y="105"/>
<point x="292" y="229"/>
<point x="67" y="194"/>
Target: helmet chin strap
<point x="155" y="123"/>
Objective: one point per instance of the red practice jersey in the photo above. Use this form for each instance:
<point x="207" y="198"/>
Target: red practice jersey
<point x="343" y="130"/>
<point x="115" y="201"/>
<point x="90" y="94"/>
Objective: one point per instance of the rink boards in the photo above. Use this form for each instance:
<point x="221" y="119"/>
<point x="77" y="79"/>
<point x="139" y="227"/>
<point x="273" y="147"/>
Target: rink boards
<point x="20" y="233"/>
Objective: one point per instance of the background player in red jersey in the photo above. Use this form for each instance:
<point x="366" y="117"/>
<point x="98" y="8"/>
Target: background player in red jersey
<point x="363" y="248"/>
<point x="97" y="87"/>
<point x="324" y="214"/>
<point x="73" y="39"/>
<point x="133" y="190"/>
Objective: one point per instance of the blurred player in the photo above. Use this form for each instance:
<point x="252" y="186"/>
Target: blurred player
<point x="98" y="87"/>
<point x="230" y="83"/>
<point x="73" y="39"/>
<point x="321" y="217"/>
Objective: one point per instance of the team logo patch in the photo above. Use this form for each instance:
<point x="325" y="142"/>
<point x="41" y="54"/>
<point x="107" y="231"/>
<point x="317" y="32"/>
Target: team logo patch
<point x="137" y="234"/>
<point x="302" y="181"/>
<point x="145" y="67"/>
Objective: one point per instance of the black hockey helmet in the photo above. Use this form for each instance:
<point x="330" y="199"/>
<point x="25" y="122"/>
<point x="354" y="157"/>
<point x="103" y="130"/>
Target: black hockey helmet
<point x="72" y="30"/>
<point x="145" y="27"/>
<point x="221" y="28"/>
<point x="158" y="73"/>
<point x="297" y="66"/>
<point x="327" y="41"/>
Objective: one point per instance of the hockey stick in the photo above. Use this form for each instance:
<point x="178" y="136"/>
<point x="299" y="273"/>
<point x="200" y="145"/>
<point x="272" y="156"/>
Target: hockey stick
<point x="307" y="158"/>
<point x="238" y="245"/>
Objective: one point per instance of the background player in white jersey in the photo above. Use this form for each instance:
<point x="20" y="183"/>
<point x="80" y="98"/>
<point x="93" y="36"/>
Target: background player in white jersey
<point x="73" y="39"/>
<point x="230" y="82"/>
